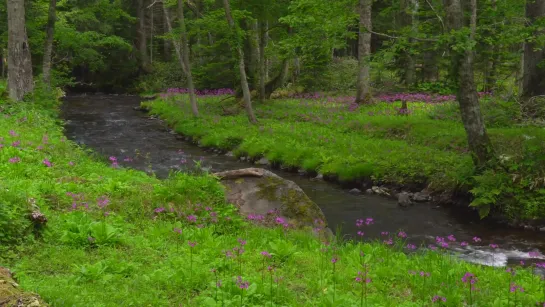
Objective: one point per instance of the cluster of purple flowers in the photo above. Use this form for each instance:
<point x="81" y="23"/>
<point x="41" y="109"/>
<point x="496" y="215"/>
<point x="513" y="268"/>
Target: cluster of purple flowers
<point x="206" y="92"/>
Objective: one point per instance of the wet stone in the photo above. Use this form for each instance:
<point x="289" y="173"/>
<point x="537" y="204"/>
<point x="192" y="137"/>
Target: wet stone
<point x="355" y="191"/>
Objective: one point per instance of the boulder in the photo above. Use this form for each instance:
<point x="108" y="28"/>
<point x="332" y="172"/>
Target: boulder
<point x="369" y="192"/>
<point x="404" y="199"/>
<point x="262" y="161"/>
<point x="421" y="197"/>
<point x="11" y="295"/>
<point x="355" y="191"/>
<point x="318" y="177"/>
<point x="380" y="190"/>
<point x="258" y="191"/>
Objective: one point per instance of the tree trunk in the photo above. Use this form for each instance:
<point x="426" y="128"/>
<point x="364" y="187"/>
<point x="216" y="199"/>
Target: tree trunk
<point x="241" y="66"/>
<point x="533" y="76"/>
<point x="262" y="59"/>
<point x="279" y="80"/>
<point x="253" y="43"/>
<point x="363" y="92"/>
<point x="50" y="32"/>
<point x="180" y="54"/>
<point x="2" y="65"/>
<point x="462" y="66"/>
<point x="185" y="59"/>
<point x="142" y="37"/>
<point x="19" y="61"/>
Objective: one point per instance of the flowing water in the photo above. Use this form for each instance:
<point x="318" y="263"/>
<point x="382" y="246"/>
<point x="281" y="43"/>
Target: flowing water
<point x="110" y="126"/>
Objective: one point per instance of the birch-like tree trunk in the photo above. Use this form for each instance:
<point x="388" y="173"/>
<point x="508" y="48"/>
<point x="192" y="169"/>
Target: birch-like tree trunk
<point x="363" y="91"/>
<point x="462" y="66"/>
<point x="19" y="61"/>
<point x="241" y="65"/>
<point x="50" y="34"/>
<point x="533" y="76"/>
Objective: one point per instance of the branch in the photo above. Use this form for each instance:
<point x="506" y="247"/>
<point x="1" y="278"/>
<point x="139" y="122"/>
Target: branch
<point x="438" y="16"/>
<point x="397" y="37"/>
<point x="156" y="1"/>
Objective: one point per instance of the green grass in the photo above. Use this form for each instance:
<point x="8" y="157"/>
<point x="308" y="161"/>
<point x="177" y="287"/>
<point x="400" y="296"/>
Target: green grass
<point x="427" y="147"/>
<point x="122" y="252"/>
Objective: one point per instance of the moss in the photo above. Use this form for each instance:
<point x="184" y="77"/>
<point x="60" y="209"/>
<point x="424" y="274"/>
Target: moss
<point x="269" y="187"/>
<point x="12" y="295"/>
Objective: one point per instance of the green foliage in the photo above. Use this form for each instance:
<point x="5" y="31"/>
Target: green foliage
<point x="375" y="143"/>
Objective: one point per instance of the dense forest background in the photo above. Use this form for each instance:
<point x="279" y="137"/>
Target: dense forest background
<point x="305" y="45"/>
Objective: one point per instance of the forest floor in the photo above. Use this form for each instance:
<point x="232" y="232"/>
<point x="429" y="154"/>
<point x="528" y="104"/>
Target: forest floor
<point x="424" y="146"/>
<point x="118" y="237"/>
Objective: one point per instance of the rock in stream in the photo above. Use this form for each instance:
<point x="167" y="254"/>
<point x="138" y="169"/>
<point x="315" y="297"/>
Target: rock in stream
<point x="257" y="191"/>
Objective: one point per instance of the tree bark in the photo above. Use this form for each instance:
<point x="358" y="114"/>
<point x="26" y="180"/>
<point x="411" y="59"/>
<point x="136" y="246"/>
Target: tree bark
<point x="241" y="66"/>
<point x="182" y="54"/>
<point x="186" y="61"/>
<point x="363" y="92"/>
<point x="19" y="61"/>
<point x="142" y="37"/>
<point x="50" y="33"/>
<point x="533" y="76"/>
<point x="2" y="64"/>
<point x="279" y="80"/>
<point x="262" y="59"/>
<point x="462" y="66"/>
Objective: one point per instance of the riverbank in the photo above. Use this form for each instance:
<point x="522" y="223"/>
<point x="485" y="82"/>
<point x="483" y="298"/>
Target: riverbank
<point x="116" y="236"/>
<point x="421" y="148"/>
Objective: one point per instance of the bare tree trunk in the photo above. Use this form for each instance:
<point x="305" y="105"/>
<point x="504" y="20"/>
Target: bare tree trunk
<point x="2" y="65"/>
<point x="462" y="65"/>
<point x="533" y="76"/>
<point x="363" y="92"/>
<point x="142" y="37"/>
<point x="262" y="59"/>
<point x="410" y="69"/>
<point x="181" y="54"/>
<point x="19" y="61"/>
<point x="50" y="32"/>
<point x="242" y="68"/>
<point x="279" y="80"/>
<point x="186" y="61"/>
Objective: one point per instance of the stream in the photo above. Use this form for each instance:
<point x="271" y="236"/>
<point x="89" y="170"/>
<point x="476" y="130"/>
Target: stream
<point x="109" y="125"/>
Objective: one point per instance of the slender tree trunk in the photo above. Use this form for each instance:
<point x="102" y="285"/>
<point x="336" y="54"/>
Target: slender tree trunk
<point x="19" y="61"/>
<point x="178" y="46"/>
<point x="2" y="65"/>
<point x="142" y="37"/>
<point x="410" y="70"/>
<point x="462" y="66"/>
<point x="363" y="92"/>
<point x="262" y="59"/>
<point x="242" y="67"/>
<point x="50" y="33"/>
<point x="533" y="76"/>
<point x="186" y="61"/>
<point x="253" y="43"/>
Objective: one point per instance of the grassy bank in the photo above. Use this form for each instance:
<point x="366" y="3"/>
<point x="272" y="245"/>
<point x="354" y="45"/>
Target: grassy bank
<point x="117" y="237"/>
<point x="426" y="145"/>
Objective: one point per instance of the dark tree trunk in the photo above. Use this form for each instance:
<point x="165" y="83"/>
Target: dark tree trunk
<point x="186" y="61"/>
<point x="429" y="68"/>
<point x="363" y="91"/>
<point x="533" y="76"/>
<point x="19" y="61"/>
<point x="279" y="80"/>
<point x="2" y="65"/>
<point x="241" y="66"/>
<point x="262" y="59"/>
<point x="410" y="11"/>
<point x="462" y="66"/>
<point x="50" y="33"/>
<point x="142" y="37"/>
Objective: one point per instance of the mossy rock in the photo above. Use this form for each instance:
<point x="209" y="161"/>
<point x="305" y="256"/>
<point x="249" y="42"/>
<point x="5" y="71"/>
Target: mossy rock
<point x="12" y="295"/>
<point x="258" y="191"/>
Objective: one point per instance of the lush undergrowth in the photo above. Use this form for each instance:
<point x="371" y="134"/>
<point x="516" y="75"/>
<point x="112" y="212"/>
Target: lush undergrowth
<point x="424" y="144"/>
<point x="117" y="237"/>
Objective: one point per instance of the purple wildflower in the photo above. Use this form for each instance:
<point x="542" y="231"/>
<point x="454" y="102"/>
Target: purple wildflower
<point x="192" y="218"/>
<point x="266" y="254"/>
<point x="159" y="210"/>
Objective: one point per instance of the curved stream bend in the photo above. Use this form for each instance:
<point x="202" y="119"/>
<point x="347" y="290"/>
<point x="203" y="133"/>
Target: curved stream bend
<point x="110" y="126"/>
